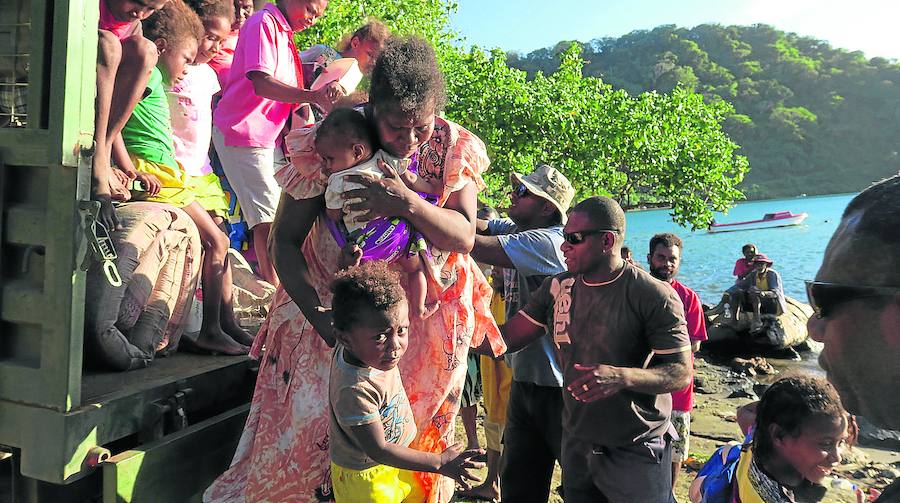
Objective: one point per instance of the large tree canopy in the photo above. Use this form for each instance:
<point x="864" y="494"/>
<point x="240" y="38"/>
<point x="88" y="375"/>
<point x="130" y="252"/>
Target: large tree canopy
<point x="812" y="119"/>
<point x="652" y="147"/>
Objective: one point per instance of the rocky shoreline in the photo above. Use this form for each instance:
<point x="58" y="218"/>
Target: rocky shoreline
<point x="725" y="381"/>
<point x="722" y="385"/>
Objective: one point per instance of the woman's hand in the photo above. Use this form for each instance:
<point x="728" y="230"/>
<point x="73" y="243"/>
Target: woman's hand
<point x="385" y="197"/>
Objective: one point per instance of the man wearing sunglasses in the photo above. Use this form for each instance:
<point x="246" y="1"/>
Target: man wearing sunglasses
<point x="622" y="343"/>
<point x="857" y="306"/>
<point x="527" y="246"/>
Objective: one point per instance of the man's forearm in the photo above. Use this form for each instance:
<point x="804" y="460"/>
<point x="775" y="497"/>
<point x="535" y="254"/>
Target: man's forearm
<point x="488" y="250"/>
<point x="657" y="380"/>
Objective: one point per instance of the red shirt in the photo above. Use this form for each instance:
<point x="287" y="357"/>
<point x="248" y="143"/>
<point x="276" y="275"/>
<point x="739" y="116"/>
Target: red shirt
<point x="683" y="401"/>
<point x="742" y="267"/>
<point x="121" y="29"/>
<point x="221" y="62"/>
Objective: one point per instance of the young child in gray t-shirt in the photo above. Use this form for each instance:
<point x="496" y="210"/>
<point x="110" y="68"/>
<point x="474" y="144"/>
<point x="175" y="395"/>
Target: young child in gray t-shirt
<point x="371" y="420"/>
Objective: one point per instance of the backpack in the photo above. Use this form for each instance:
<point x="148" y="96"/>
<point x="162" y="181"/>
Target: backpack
<point x="718" y="485"/>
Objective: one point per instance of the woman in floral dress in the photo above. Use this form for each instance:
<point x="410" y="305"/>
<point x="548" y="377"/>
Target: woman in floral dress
<point x="283" y="452"/>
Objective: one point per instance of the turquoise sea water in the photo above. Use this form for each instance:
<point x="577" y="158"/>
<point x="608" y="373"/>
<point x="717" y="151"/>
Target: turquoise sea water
<point x="708" y="259"/>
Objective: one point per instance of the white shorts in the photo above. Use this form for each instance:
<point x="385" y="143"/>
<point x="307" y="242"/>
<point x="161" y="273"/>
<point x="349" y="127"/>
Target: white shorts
<point x="251" y="174"/>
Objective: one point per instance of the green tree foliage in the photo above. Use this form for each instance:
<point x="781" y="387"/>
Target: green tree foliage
<point x="811" y="118"/>
<point x="655" y="147"/>
<point x="640" y="149"/>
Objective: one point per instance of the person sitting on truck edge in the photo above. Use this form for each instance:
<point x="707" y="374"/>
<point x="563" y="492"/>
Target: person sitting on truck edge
<point x="124" y="62"/>
<point x="149" y="149"/>
<point x="222" y="60"/>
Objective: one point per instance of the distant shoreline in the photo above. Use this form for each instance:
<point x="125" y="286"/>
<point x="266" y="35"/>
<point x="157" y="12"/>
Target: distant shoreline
<point x="667" y="206"/>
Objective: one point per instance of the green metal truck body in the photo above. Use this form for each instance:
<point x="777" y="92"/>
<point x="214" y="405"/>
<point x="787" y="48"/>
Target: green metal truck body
<point x="158" y="434"/>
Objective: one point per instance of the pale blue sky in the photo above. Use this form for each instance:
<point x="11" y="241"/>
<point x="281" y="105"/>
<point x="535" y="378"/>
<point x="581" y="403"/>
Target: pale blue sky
<point x="524" y="25"/>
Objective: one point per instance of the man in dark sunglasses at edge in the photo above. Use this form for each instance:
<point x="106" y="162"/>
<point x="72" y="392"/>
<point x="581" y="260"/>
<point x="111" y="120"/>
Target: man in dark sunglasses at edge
<point x="527" y="246"/>
<point x="623" y="347"/>
<point x="857" y="305"/>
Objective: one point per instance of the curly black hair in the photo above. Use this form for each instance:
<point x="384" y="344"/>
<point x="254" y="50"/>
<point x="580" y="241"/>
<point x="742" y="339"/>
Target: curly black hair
<point x="208" y="9"/>
<point x="790" y="402"/>
<point x="372" y="285"/>
<point x="406" y="77"/>
<point x="666" y="239"/>
<point x="349" y="126"/>
<point x="879" y="208"/>
<point x="604" y="212"/>
<point x="176" y="23"/>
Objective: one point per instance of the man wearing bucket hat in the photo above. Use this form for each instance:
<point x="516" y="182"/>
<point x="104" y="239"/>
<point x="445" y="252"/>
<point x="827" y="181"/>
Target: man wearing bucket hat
<point x="527" y="246"/>
<point x="762" y="286"/>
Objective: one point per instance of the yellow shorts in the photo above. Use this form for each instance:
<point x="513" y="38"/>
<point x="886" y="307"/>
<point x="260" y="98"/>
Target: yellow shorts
<point x="493" y="433"/>
<point x="174" y="181"/>
<point x="496" y="379"/>
<point x="379" y="484"/>
<point x="208" y="192"/>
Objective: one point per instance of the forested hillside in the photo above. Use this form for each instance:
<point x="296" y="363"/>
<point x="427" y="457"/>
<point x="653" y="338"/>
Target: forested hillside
<point x="812" y="119"/>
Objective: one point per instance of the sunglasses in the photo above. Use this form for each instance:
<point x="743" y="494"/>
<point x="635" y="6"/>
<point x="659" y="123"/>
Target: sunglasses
<point x="578" y="237"/>
<point x="521" y="191"/>
<point x="824" y="297"/>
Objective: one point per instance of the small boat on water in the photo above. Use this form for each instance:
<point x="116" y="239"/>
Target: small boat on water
<point x="777" y="219"/>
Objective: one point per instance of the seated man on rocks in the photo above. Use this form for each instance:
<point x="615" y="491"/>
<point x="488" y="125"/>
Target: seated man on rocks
<point x="761" y="290"/>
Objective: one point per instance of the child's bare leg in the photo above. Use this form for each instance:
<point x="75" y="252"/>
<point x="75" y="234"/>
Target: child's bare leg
<point x="229" y="323"/>
<point x="469" y="417"/>
<point x="215" y="245"/>
<point x="109" y="56"/>
<point x="419" y="307"/>
<point x="261" y="247"/>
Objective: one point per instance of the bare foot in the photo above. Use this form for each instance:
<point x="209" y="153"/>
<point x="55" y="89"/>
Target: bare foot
<point x="215" y="341"/>
<point x="483" y="492"/>
<point x="237" y="333"/>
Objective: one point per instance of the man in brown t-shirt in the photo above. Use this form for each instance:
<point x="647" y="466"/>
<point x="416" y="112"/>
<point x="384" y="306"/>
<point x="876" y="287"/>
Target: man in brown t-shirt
<point x="623" y="346"/>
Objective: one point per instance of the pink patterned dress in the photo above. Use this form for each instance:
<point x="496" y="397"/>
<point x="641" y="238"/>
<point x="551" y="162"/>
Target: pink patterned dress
<point x="283" y="453"/>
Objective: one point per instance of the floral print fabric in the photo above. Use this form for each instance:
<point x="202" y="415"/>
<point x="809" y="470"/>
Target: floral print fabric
<point x="283" y="453"/>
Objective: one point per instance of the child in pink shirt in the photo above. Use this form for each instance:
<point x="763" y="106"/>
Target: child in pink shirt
<point x="264" y="87"/>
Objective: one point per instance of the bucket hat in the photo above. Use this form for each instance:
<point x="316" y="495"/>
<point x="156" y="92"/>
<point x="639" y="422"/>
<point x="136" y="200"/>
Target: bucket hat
<point x="549" y="184"/>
